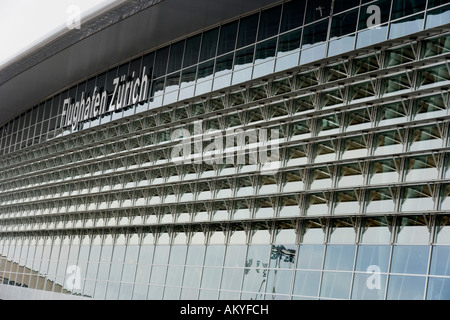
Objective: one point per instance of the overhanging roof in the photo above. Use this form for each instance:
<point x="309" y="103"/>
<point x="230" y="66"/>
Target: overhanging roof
<point x="109" y="37"/>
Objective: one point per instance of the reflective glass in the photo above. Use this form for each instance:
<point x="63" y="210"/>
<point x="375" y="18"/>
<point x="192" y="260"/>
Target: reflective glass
<point x="406" y="288"/>
<point x="315" y="34"/>
<point x="375" y="230"/>
<point x="214" y="255"/>
<point x="406" y="26"/>
<point x="195" y="255"/>
<point x="248" y="28"/>
<point x="440" y="261"/>
<point x="289" y="42"/>
<point x="438" y="288"/>
<point x="279" y="281"/>
<point x="232" y="278"/>
<point x="306" y="283"/>
<point x="402" y="8"/>
<point x="413" y="230"/>
<point x="211" y="278"/>
<point x="269" y="23"/>
<point x="410" y="259"/>
<point x="317" y="9"/>
<point x="192" y="51"/>
<point x="373" y="255"/>
<point x="227" y="39"/>
<point x="255" y="279"/>
<point x="437" y="17"/>
<point x="292" y="16"/>
<point x="235" y="256"/>
<point x="162" y="56"/>
<point x="176" y="56"/>
<point x="336" y="285"/>
<point x="367" y="286"/>
<point x="209" y="44"/>
<point x="310" y="256"/>
<point x="339" y="257"/>
<point x="343" y="24"/>
<point x="265" y="50"/>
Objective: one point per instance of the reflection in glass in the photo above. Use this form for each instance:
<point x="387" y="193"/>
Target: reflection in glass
<point x="269" y="23"/>
<point x="438" y="289"/>
<point x="209" y="44"/>
<point x="376" y="230"/>
<point x="437" y="17"/>
<point x="373" y="255"/>
<point x="406" y="288"/>
<point x="336" y="285"/>
<point x="339" y="257"/>
<point x="293" y="13"/>
<point x="406" y="26"/>
<point x="192" y="51"/>
<point x="306" y="283"/>
<point x="315" y="34"/>
<point x="365" y="287"/>
<point x="410" y="259"/>
<point x="279" y="281"/>
<point x="310" y="256"/>
<point x="227" y="40"/>
<point x="440" y="261"/>
<point x="247" y="30"/>
<point x="413" y="230"/>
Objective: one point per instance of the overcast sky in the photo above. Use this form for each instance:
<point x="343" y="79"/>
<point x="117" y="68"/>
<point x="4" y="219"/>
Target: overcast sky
<point x="24" y="23"/>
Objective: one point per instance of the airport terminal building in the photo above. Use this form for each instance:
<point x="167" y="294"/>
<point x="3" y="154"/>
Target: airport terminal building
<point x="209" y="149"/>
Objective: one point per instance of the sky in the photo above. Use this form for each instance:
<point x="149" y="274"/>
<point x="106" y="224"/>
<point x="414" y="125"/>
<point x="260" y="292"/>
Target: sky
<point x="24" y="23"/>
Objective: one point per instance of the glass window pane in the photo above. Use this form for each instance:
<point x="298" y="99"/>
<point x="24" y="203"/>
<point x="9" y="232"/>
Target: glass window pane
<point x="336" y="285"/>
<point x="317" y="9"/>
<point x="406" y="26"/>
<point x="371" y="255"/>
<point x="440" y="261"/>
<point x="269" y="23"/>
<point x="403" y="8"/>
<point x="247" y="30"/>
<point x="224" y="64"/>
<point x="192" y="51"/>
<point x="211" y="278"/>
<point x="366" y="287"/>
<point x="265" y="50"/>
<point x="195" y="255"/>
<point x="310" y="256"/>
<point x="161" y="254"/>
<point x="244" y="57"/>
<point x="209" y="44"/>
<point x="375" y="230"/>
<point x="176" y="56"/>
<point x="161" y="62"/>
<point x="406" y="288"/>
<point x="438" y="289"/>
<point x="227" y="39"/>
<point x="344" y="23"/>
<point x="214" y="255"/>
<point x="438" y="16"/>
<point x="307" y="283"/>
<point x="289" y="42"/>
<point x="410" y="259"/>
<point x="235" y="256"/>
<point x="293" y="13"/>
<point x="339" y="257"/>
<point x="413" y="230"/>
<point x="279" y="281"/>
<point x="231" y="278"/>
<point x="315" y="33"/>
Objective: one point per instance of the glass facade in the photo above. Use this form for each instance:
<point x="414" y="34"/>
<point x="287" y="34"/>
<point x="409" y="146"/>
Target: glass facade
<point x="357" y="207"/>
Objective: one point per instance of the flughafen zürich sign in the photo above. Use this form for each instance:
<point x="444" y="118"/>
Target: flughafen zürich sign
<point x="127" y="91"/>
